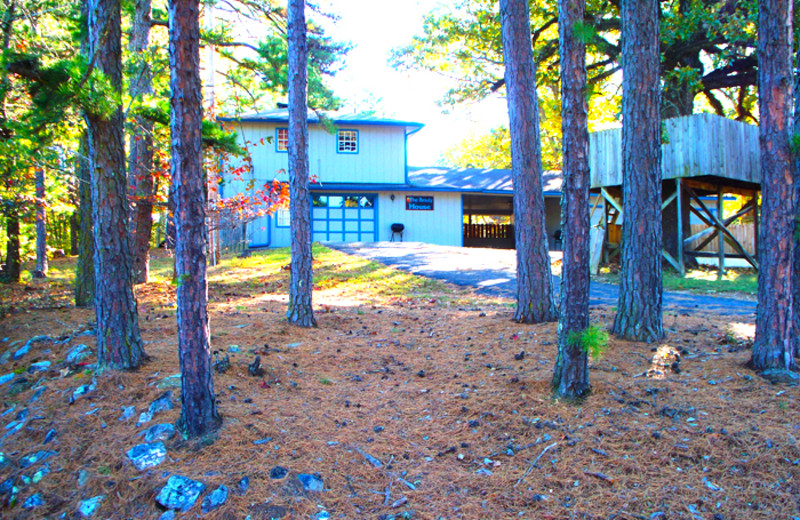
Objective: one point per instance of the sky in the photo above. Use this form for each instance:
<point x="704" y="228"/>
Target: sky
<point x="374" y="28"/>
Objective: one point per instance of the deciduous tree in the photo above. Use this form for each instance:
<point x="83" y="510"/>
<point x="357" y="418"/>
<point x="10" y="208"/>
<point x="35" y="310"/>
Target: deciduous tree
<point x="773" y="346"/>
<point x="571" y="377"/>
<point x="300" y="311"/>
<point x="198" y="410"/>
<point x="535" y="302"/>
<point x="639" y="309"/>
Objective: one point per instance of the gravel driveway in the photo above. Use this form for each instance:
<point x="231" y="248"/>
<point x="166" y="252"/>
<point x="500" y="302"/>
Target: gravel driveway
<point x="493" y="272"/>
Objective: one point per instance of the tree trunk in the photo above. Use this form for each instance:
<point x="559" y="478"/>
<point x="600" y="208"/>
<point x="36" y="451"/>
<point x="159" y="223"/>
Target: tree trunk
<point x="119" y="345"/>
<point x="639" y="310"/>
<point x="535" y="302"/>
<point x="571" y="375"/>
<point x="773" y="345"/>
<point x="12" y="270"/>
<point x="74" y="231"/>
<point x="84" y="271"/>
<point x="140" y="170"/>
<point x="198" y="405"/>
<point x="41" y="227"/>
<point x="300" y="311"/>
<point x="796" y="254"/>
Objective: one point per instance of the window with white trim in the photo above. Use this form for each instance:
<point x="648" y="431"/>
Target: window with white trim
<point x="282" y="218"/>
<point x="282" y="139"/>
<point x="347" y="141"/>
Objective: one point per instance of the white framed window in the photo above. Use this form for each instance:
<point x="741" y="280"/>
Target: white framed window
<point x="347" y="141"/>
<point x="282" y="218"/>
<point x="282" y="139"/>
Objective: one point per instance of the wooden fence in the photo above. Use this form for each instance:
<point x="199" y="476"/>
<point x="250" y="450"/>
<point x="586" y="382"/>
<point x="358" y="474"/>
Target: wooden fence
<point x="744" y="233"/>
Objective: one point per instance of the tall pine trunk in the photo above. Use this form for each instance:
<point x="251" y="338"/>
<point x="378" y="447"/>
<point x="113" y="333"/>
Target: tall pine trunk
<point x="639" y="310"/>
<point x="535" y="303"/>
<point x="198" y="405"/>
<point x="300" y="311"/>
<point x="571" y="377"/>
<point x="118" y="342"/>
<point x="84" y="270"/>
<point x="12" y="270"/>
<point x="773" y="345"/>
<point x="140" y="171"/>
<point x="41" y="227"/>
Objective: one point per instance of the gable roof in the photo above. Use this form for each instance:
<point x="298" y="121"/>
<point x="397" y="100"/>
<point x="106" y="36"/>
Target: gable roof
<point x="479" y="180"/>
<point x="281" y="115"/>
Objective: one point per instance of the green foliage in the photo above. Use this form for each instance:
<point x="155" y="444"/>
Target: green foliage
<point x="593" y="340"/>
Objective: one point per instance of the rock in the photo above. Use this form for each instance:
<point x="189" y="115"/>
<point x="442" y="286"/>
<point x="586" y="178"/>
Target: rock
<point x="40" y="366"/>
<point x="144" y="417"/>
<point x="36" y="477"/>
<point x="77" y="354"/>
<point x="33" y="501"/>
<point x="222" y="365"/>
<point x="35" y="458"/>
<point x="180" y="493"/>
<point x="52" y="434"/>
<point x="37" y="394"/>
<point x="83" y="477"/>
<point x="127" y="413"/>
<point x="19" y="354"/>
<point x="665" y="361"/>
<point x="322" y="515"/>
<point x="255" y="368"/>
<point x="9" y="491"/>
<point x="311" y="482"/>
<point x="163" y="403"/>
<point x="159" y="432"/>
<point x="167" y="515"/>
<point x="780" y="376"/>
<point x="173" y="381"/>
<point x="4" y="462"/>
<point x="214" y="499"/>
<point x="243" y="485"/>
<point x="234" y="349"/>
<point x="89" y="506"/>
<point x="83" y="390"/>
<point x="6" y="378"/>
<point x="278" y="472"/>
<point x="150" y="455"/>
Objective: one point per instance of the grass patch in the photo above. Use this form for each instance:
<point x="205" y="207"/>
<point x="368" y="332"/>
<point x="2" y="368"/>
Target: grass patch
<point x="701" y="281"/>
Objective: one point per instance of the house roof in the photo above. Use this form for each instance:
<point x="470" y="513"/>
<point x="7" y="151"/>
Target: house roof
<point x="479" y="180"/>
<point x="281" y="115"/>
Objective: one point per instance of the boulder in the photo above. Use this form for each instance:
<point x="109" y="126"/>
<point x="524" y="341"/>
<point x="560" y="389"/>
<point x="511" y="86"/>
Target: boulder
<point x="88" y="507"/>
<point x="214" y="499"/>
<point x="149" y="455"/>
<point x="180" y="493"/>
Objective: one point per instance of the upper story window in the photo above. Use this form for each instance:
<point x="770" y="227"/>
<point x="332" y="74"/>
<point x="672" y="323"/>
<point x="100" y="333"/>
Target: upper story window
<point x="282" y="139"/>
<point x="347" y="141"/>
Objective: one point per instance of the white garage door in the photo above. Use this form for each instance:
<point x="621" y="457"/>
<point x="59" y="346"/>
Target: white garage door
<point x="344" y="218"/>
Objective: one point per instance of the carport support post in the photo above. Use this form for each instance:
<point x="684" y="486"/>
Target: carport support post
<point x="679" y="202"/>
<point x="720" y="235"/>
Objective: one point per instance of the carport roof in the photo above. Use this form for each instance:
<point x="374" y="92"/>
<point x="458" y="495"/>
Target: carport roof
<point x="478" y="180"/>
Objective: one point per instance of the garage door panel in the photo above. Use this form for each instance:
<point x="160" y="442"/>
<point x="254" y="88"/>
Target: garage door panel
<point x="335" y="225"/>
<point x="351" y="237"/>
<point x="344" y="218"/>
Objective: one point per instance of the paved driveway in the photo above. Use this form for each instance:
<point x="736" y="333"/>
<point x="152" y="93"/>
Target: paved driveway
<point x="493" y="272"/>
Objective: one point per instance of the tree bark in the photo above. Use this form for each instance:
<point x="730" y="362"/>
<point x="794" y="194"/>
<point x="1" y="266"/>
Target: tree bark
<point x="74" y="231"/>
<point x="140" y="170"/>
<point x="12" y="270"/>
<point x="571" y="375"/>
<point x="639" y="310"/>
<point x="300" y="311"/>
<point x="796" y="254"/>
<point x="41" y="227"/>
<point x="84" y="270"/>
<point x="119" y="345"/>
<point x="199" y="409"/>
<point x="535" y="303"/>
<point x="773" y="345"/>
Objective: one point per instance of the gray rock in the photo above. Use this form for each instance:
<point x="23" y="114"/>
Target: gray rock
<point x="150" y="455"/>
<point x="163" y="403"/>
<point x="35" y="458"/>
<point x="83" y="477"/>
<point x="77" y="354"/>
<point x="242" y="486"/>
<point x="214" y="499"/>
<point x="144" y="417"/>
<point x="173" y="381"/>
<point x="40" y="366"/>
<point x="37" y="394"/>
<point x="180" y="493"/>
<point x="36" y="477"/>
<point x="4" y="462"/>
<point x="167" y="515"/>
<point x="33" y="501"/>
<point x="83" y="390"/>
<point x="22" y="351"/>
<point x="52" y="434"/>
<point x="278" y="472"/>
<point x="234" y="349"/>
<point x="6" y="378"/>
<point x="127" y="413"/>
<point x="89" y="506"/>
<point x="311" y="482"/>
<point x="159" y="432"/>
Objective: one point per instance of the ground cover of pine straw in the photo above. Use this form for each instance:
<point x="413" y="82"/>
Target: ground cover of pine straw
<point x="433" y="388"/>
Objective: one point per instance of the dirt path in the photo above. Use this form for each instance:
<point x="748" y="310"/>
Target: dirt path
<point x="493" y="272"/>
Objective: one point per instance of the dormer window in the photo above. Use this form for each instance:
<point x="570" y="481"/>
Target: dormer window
<point x="282" y="139"/>
<point x="347" y="141"/>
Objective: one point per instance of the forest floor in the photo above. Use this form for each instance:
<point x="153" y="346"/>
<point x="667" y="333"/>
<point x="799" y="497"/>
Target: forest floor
<point x="412" y="399"/>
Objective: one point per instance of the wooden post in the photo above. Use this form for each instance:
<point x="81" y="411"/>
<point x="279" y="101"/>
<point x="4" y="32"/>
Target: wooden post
<point x="679" y="202"/>
<point x="720" y="236"/>
<point x="756" y="209"/>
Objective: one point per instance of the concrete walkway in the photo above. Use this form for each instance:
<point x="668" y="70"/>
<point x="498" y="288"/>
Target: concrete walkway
<point x="493" y="272"/>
